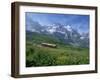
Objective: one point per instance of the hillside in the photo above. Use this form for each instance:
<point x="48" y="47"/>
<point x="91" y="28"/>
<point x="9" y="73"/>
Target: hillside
<point x="63" y="54"/>
<point x="63" y="32"/>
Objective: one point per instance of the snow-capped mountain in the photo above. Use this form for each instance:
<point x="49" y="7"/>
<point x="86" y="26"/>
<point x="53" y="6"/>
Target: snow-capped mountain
<point x="65" y="33"/>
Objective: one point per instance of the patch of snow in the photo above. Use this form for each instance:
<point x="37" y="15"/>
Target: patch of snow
<point x="33" y="30"/>
<point x="52" y="29"/>
<point x="81" y="37"/>
<point x="67" y="27"/>
<point x="61" y="32"/>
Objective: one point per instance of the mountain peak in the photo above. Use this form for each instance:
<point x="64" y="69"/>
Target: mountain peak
<point x="68" y="27"/>
<point x="65" y="33"/>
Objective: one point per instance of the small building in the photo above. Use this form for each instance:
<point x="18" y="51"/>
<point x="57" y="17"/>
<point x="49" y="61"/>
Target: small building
<point x="49" y="45"/>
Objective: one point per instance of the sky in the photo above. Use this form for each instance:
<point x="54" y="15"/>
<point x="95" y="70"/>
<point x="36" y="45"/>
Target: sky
<point x="80" y="22"/>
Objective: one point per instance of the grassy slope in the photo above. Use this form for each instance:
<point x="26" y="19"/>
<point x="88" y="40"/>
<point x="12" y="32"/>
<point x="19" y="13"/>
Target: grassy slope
<point x="37" y="55"/>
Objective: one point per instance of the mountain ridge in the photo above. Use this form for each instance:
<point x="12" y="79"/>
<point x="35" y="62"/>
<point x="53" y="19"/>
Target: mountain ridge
<point x="64" y="33"/>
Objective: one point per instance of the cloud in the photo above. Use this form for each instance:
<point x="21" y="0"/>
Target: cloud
<point x="80" y="22"/>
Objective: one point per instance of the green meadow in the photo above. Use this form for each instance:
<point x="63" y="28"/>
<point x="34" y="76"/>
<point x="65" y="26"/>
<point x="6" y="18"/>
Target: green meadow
<point x="38" y="55"/>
